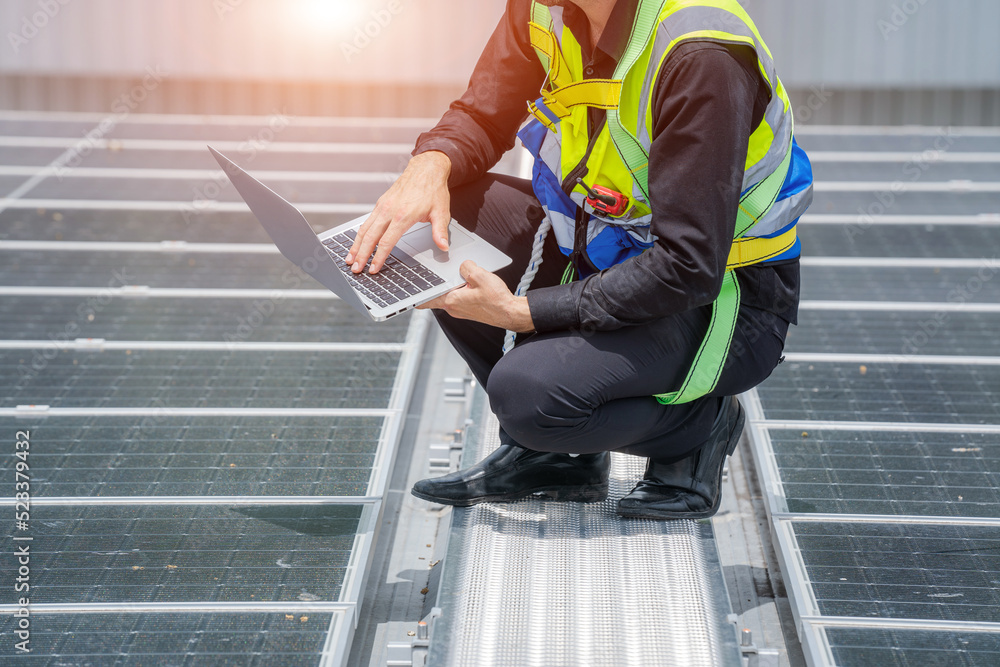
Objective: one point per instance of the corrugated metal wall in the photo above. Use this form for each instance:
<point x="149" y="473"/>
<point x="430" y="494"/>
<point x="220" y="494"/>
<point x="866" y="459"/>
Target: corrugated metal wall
<point x="870" y="60"/>
<point x="925" y="62"/>
<point x="883" y="43"/>
<point x="418" y="41"/>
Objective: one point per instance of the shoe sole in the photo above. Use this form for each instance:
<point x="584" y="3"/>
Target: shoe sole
<point x="590" y="494"/>
<point x="639" y="513"/>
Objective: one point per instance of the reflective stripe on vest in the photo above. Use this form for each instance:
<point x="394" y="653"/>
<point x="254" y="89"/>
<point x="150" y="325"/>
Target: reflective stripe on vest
<point x="777" y="181"/>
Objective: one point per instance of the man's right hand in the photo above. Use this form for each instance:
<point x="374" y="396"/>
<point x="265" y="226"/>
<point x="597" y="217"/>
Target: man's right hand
<point x="420" y="194"/>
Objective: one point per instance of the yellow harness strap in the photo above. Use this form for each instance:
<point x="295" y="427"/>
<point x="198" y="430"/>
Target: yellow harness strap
<point x="602" y="93"/>
<point x="753" y="250"/>
<point x="564" y="94"/>
<point x="546" y="45"/>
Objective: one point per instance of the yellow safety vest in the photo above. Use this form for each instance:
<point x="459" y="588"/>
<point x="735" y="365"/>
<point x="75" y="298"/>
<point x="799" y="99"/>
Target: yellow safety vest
<point x="617" y="157"/>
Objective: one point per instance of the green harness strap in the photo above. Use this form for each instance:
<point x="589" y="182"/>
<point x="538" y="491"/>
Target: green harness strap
<point x="711" y="358"/>
<point x="647" y="18"/>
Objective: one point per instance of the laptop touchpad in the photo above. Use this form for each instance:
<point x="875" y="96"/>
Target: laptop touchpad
<point x="419" y="241"/>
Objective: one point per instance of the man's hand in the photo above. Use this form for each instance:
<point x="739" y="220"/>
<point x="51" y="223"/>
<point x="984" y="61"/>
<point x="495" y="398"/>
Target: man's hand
<point x="485" y="298"/>
<point x="420" y="194"/>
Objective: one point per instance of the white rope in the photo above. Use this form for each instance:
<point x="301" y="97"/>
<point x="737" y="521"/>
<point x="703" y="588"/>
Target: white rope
<point x="529" y="273"/>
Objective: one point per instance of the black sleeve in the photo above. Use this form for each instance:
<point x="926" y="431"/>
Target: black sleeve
<point x="703" y="113"/>
<point x="481" y="126"/>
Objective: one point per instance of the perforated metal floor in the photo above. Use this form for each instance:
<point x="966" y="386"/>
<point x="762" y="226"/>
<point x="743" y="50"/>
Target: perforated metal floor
<point x="537" y="583"/>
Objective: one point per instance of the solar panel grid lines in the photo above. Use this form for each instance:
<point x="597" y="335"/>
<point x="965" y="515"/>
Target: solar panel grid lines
<point x="185" y="207"/>
<point x="869" y="222"/>
<point x="900" y="157"/>
<point x="41" y="144"/>
<point x="269" y="249"/>
<point x="138" y="292"/>
<point x="206" y="174"/>
<point x="877" y="441"/>
<point x="943" y="307"/>
<point x="918" y="644"/>
<point x="892" y="359"/>
<point x="196" y="422"/>
<point x="172" y="206"/>
<point x="85" y="120"/>
<point x="953" y="186"/>
<point x="844" y="275"/>
<point x="206" y="637"/>
<point x="92" y="343"/>
<point x="161" y="458"/>
<point x="162" y="246"/>
<point x="894" y="333"/>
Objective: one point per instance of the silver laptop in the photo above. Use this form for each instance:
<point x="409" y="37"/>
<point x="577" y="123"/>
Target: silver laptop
<point x="416" y="272"/>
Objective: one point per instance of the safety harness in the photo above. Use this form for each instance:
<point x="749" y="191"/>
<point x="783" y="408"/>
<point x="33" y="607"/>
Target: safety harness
<point x="564" y="93"/>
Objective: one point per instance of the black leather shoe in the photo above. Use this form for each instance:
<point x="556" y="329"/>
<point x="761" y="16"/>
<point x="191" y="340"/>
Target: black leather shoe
<point x="692" y="487"/>
<point x="511" y="473"/>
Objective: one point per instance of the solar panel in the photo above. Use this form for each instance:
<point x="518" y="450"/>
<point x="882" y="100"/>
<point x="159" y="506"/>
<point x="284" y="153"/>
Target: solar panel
<point x="872" y="283"/>
<point x="352" y="158"/>
<point x="207" y="477"/>
<point x="161" y="455"/>
<point x="896" y="392"/>
<point x="909" y="170"/>
<point x="860" y="647"/>
<point x="193" y="225"/>
<point x="952" y="199"/>
<point x="254" y="640"/>
<point x="914" y="140"/>
<point x="155" y="269"/>
<point x="382" y="131"/>
<point x="225" y="129"/>
<point x="161" y="188"/>
<point x="196" y="378"/>
<point x="895" y="333"/>
<point x="183" y="553"/>
<point x="201" y="319"/>
<point x="878" y="455"/>
<point x="908" y="473"/>
<point x="930" y="241"/>
<point x="210" y="491"/>
<point x="904" y="571"/>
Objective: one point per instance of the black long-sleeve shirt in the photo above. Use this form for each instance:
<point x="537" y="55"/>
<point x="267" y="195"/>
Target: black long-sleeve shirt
<point x="707" y="100"/>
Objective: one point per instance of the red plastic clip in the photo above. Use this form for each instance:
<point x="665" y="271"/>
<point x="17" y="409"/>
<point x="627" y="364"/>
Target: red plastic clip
<point x="605" y="200"/>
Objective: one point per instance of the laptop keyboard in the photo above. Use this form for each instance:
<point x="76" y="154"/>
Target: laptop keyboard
<point x="400" y="278"/>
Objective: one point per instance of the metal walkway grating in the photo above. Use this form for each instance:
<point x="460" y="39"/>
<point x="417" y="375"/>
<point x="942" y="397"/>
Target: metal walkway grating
<point x="539" y="583"/>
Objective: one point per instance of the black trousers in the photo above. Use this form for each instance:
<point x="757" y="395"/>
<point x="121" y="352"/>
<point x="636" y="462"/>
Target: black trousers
<point x="591" y="391"/>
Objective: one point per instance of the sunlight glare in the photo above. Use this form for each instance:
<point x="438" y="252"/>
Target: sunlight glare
<point x="332" y="15"/>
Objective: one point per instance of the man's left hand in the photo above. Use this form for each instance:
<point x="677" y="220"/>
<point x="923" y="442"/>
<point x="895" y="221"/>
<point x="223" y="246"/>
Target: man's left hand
<point x="485" y="298"/>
